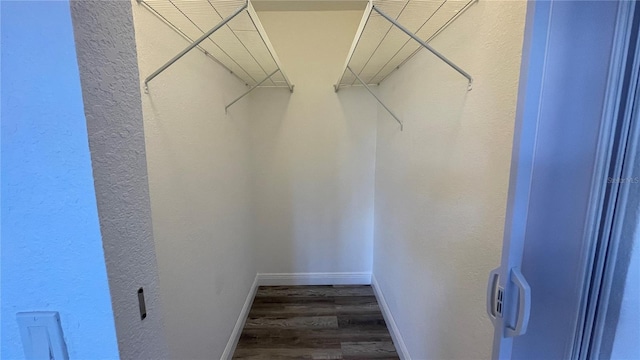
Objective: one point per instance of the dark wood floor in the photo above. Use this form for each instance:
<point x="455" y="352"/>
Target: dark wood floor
<point x="315" y="322"/>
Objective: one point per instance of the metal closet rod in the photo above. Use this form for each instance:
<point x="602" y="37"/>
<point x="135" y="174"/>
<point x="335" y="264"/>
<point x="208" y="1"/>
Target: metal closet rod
<point x="193" y="45"/>
<point x="421" y="42"/>
<point x="425" y="45"/>
<point x="185" y="36"/>
<point x="245" y="6"/>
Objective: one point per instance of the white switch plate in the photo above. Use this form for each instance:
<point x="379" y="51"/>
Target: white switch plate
<point x="41" y="334"/>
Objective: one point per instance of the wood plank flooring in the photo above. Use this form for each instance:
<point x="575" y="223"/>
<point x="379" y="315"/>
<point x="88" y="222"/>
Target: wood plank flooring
<point x="315" y="322"/>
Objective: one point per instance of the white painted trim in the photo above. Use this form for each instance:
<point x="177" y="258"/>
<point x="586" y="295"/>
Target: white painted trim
<point x="401" y="348"/>
<point x="346" y="278"/>
<point x="242" y="318"/>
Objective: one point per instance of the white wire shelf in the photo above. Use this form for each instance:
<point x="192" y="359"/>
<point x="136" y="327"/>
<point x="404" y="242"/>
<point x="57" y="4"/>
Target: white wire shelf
<point x="236" y="38"/>
<point x="383" y="42"/>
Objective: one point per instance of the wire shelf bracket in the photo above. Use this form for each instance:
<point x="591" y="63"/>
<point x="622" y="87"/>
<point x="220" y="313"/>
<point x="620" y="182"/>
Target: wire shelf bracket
<point x="245" y="8"/>
<point x="369" y="11"/>
<point x="354" y="45"/>
<point x="250" y="90"/>
<point x="376" y="97"/>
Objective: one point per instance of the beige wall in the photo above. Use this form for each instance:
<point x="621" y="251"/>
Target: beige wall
<point x="285" y="183"/>
<point x="441" y="185"/>
<point x="199" y="180"/>
<point x="313" y="152"/>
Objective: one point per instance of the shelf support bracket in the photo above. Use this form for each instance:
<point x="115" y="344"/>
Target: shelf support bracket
<point x="265" y="39"/>
<point x="425" y="45"/>
<point x="193" y="45"/>
<point x="376" y="97"/>
<point x="250" y="90"/>
<point x="363" y="24"/>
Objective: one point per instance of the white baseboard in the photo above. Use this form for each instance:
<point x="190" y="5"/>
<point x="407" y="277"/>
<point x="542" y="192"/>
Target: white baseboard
<point x="242" y="318"/>
<point x="401" y="348"/>
<point x="347" y="278"/>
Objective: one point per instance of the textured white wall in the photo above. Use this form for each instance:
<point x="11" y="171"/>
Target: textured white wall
<point x="441" y="185"/>
<point x="199" y="179"/>
<point x="106" y="50"/>
<point x="313" y="151"/>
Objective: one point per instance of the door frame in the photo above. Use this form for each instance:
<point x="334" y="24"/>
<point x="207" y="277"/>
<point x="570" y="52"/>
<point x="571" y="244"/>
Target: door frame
<point x="534" y="59"/>
<point x="617" y="154"/>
